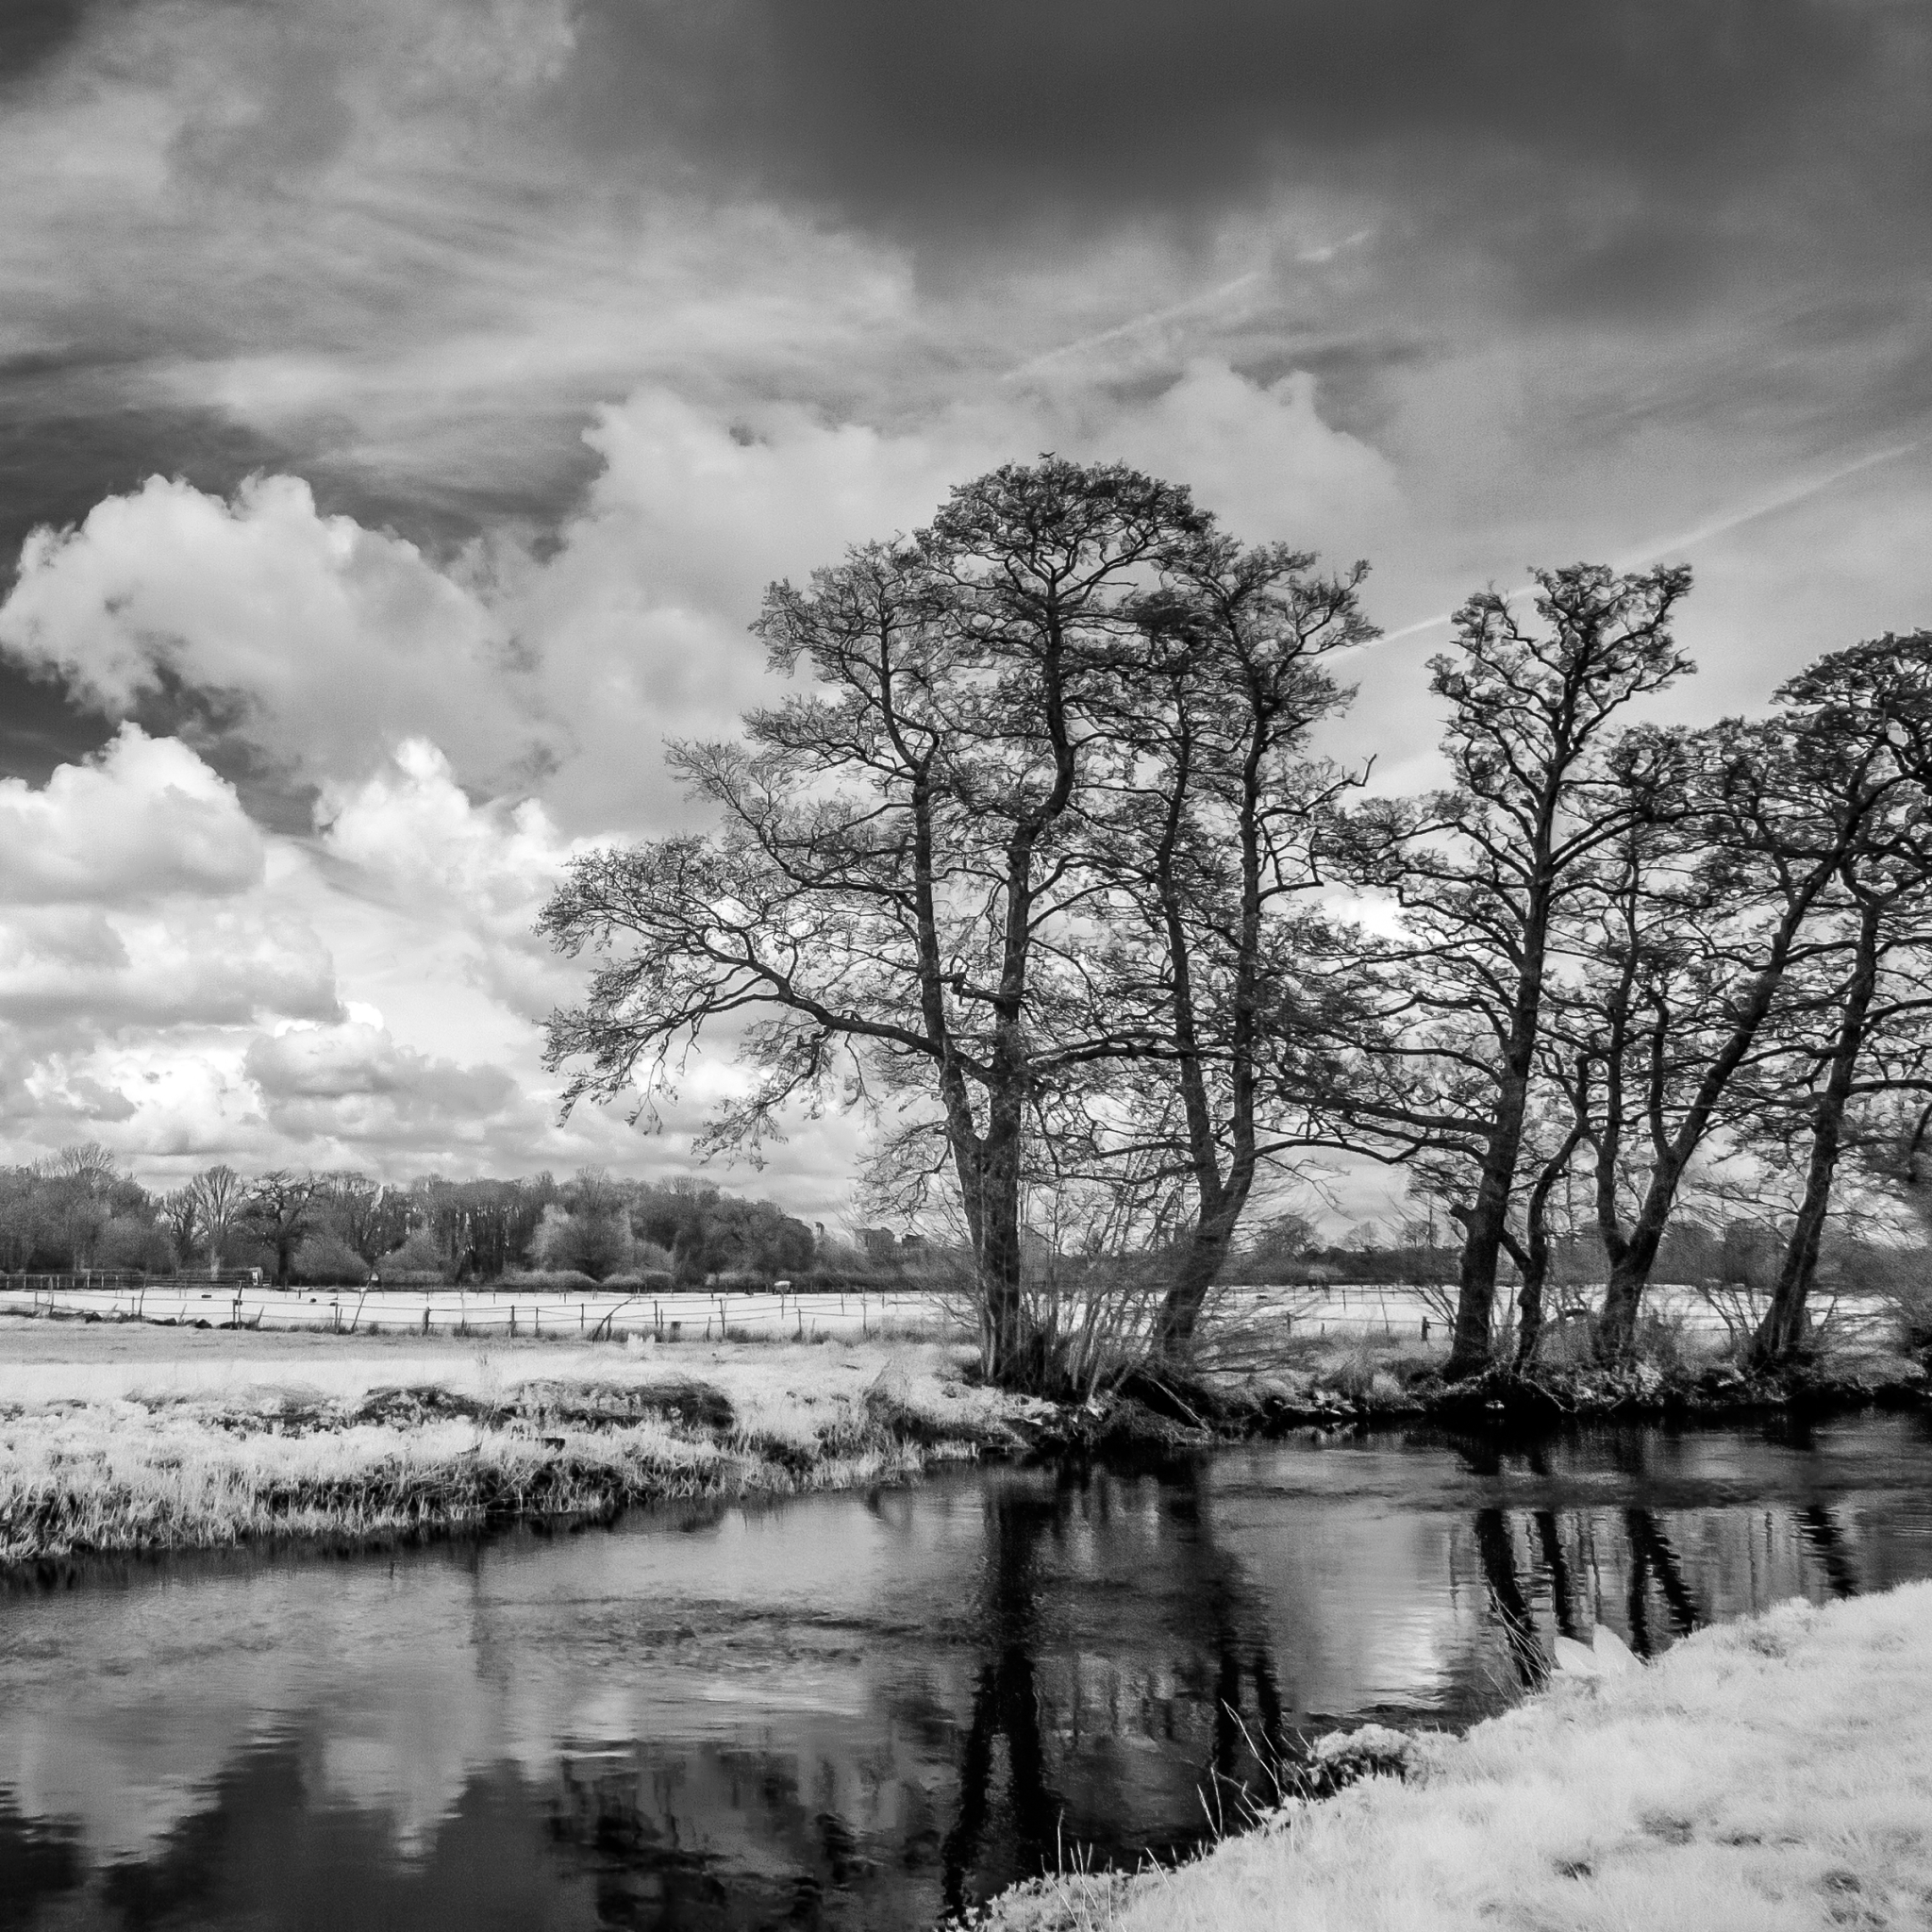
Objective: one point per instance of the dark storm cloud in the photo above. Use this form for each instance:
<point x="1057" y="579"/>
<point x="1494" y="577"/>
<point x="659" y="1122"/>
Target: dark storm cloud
<point x="33" y="31"/>
<point x="1611" y="135"/>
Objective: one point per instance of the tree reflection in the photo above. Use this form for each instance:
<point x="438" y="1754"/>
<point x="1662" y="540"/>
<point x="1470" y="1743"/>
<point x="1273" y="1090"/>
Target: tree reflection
<point x="1652" y="1559"/>
<point x="1815" y="1525"/>
<point x="1497" y="1549"/>
<point x="1005" y="1697"/>
<point x="1562" y="1596"/>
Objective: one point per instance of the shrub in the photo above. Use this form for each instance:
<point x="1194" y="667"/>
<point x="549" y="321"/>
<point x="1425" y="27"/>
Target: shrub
<point x="595" y="1242"/>
<point x="418" y="1259"/>
<point x="128" y="1242"/>
<point x="325" y="1261"/>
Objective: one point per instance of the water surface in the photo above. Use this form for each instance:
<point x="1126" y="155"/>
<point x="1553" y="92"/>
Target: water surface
<point x="856" y="1710"/>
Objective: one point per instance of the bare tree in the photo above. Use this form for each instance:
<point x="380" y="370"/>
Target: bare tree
<point x="1213" y="837"/>
<point x="282" y="1205"/>
<point x="220" y="1196"/>
<point x="898" y="897"/>
<point x="1870" y="990"/>
<point x="181" y="1211"/>
<point x="1790" y="806"/>
<point x="1480" y="874"/>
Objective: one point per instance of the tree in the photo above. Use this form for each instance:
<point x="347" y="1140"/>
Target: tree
<point x="1789" y="810"/>
<point x="220" y="1196"/>
<point x="283" y="1205"/>
<point x="79" y="1184"/>
<point x="181" y="1211"/>
<point x="1480" y="874"/>
<point x="1211" y="839"/>
<point x="896" y="900"/>
<point x="1874" y="701"/>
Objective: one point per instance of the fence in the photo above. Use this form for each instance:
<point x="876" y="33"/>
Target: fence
<point x="692" y="1316"/>
<point x="1362" y="1311"/>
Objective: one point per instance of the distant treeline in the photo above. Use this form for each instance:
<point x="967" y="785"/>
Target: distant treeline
<point x="79" y="1211"/>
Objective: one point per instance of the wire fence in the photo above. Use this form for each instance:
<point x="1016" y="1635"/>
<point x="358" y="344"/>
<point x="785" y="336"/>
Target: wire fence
<point x="693" y="1315"/>
<point x="1361" y="1311"/>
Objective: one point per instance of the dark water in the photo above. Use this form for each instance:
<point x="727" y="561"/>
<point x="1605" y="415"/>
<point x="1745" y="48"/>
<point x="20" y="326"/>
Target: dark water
<point x="855" y="1711"/>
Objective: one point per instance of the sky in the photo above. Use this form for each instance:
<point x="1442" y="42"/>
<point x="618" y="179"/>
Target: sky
<point x="405" y="401"/>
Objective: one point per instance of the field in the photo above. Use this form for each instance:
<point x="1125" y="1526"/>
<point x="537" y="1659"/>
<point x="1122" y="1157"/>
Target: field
<point x="120" y="1436"/>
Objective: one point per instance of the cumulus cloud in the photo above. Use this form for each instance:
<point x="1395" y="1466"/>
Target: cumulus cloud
<point x="143" y="818"/>
<point x="329" y="639"/>
<point x="328" y="644"/>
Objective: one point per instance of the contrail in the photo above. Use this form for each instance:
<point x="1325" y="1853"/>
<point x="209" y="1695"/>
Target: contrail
<point x="1783" y="499"/>
<point x="1191" y="306"/>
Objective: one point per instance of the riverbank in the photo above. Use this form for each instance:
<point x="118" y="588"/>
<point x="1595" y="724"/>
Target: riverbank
<point x="1330" y="1384"/>
<point x="124" y="1436"/>
<point x="1770" y="1774"/>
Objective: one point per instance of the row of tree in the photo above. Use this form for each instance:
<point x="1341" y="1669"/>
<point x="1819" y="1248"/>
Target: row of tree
<point x="79" y="1211"/>
<point x="1042" y="870"/>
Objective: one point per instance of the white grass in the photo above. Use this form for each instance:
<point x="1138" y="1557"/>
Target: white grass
<point x="1761" y="1777"/>
<point x="120" y="1438"/>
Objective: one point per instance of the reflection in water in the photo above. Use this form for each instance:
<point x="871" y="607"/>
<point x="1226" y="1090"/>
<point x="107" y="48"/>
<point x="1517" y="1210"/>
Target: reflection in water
<point x="857" y="1711"/>
<point x="1006" y="1700"/>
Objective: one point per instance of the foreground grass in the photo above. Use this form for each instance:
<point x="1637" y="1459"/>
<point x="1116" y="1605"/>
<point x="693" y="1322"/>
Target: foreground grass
<point x="1769" y="1775"/>
<point x="136" y="1437"/>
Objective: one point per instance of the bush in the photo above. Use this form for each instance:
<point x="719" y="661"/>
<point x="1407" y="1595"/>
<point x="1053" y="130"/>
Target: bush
<point x="131" y="1245"/>
<point x="596" y="1244"/>
<point x="325" y="1261"/>
<point x="418" y="1259"/>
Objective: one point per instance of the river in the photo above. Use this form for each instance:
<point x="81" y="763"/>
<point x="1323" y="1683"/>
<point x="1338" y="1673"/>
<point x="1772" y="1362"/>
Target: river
<point x="860" y="1710"/>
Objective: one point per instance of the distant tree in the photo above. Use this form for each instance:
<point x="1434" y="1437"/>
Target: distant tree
<point x="81" y="1189"/>
<point x="23" y="1217"/>
<point x="180" y="1211"/>
<point x="367" y="1218"/>
<point x="282" y="1207"/>
<point x="220" y="1196"/>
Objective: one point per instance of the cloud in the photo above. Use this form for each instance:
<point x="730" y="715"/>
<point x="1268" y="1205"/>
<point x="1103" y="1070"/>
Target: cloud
<point x="143" y="819"/>
<point x="321" y="643"/>
<point x="465" y="878"/>
<point x="1605" y="132"/>
<point x="324" y="640"/>
<point x="351" y="1084"/>
<point x="71" y="974"/>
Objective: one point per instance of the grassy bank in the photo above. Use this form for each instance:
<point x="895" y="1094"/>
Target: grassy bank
<point x="128" y="1436"/>
<point x="1297" y="1382"/>
<point x="1767" y="1774"/>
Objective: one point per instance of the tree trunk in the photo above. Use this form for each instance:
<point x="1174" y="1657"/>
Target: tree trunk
<point x="1484" y="1231"/>
<point x="1782" y="1332"/>
<point x="1616" y="1329"/>
<point x="1633" y="1257"/>
<point x="1008" y="1349"/>
<point x="1199" y="1270"/>
<point x="1533" y="1258"/>
<point x="1489" y="1217"/>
